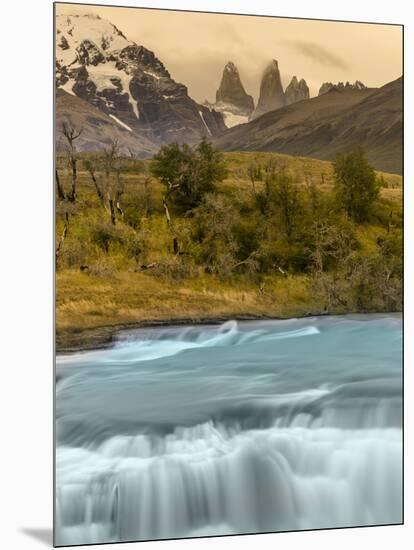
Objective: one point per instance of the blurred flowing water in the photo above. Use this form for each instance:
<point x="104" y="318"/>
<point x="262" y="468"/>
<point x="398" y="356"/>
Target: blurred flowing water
<point x="239" y="428"/>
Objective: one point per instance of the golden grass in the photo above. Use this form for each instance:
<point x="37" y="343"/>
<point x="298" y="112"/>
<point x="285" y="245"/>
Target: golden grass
<point x="85" y="301"/>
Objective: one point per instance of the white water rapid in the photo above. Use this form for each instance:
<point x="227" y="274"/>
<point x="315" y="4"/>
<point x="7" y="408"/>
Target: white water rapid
<point x="242" y="428"/>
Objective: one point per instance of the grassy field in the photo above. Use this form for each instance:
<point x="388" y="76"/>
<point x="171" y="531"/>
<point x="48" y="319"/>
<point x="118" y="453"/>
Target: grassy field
<point x="114" y="291"/>
<point x="136" y="298"/>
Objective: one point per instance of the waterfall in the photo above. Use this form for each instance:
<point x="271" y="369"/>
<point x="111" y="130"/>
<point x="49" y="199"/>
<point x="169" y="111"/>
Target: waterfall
<point x="243" y="428"/>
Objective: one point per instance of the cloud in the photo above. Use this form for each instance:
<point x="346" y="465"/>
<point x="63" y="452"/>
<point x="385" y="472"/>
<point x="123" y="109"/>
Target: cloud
<point x="318" y="53"/>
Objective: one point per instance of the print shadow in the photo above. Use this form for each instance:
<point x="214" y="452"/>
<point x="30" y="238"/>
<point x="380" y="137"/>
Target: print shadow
<point x="42" y="535"/>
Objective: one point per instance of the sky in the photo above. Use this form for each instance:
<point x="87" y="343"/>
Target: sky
<point x="195" y="47"/>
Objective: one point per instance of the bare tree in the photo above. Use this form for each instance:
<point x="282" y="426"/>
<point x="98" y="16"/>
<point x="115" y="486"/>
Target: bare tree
<point x="170" y="226"/>
<point x="61" y="242"/>
<point x="106" y="175"/>
<point x="254" y="172"/>
<point x="71" y="135"/>
<point x="59" y="186"/>
<point x="110" y="170"/>
<point x="91" y="166"/>
<point x="119" y="189"/>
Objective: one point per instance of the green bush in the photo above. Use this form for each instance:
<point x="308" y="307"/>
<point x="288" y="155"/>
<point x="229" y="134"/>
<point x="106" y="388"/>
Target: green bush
<point x="356" y="184"/>
<point x="188" y="173"/>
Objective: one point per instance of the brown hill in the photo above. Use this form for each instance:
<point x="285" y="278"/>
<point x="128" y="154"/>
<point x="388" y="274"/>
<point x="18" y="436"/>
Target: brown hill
<point x="98" y="128"/>
<point x="325" y="125"/>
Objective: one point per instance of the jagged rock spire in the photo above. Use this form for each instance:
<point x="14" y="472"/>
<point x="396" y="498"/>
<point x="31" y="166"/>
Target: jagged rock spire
<point x="328" y="86"/>
<point x="271" y="91"/>
<point x="296" y="91"/>
<point x="231" y="91"/>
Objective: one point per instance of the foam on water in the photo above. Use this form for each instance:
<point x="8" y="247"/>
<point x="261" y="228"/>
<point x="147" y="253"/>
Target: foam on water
<point x="251" y="427"/>
<point x="153" y="345"/>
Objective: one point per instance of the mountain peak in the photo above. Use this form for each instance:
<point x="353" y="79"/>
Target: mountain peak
<point x="231" y="95"/>
<point x="273" y="65"/>
<point x="127" y="82"/>
<point x="73" y="30"/>
<point x="271" y="92"/>
<point x="328" y="86"/>
<point x="296" y="91"/>
<point x="231" y="67"/>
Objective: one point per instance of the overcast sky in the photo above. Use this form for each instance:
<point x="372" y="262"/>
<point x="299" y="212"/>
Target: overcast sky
<point x="195" y="47"/>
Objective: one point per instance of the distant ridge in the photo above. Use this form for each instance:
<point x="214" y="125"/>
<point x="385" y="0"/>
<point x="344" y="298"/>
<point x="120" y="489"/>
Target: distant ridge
<point x="327" y="124"/>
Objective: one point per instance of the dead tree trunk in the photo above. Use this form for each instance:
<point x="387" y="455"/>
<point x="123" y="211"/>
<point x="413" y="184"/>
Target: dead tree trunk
<point x="118" y="194"/>
<point x="74" y="178"/>
<point x="389" y="222"/>
<point x="96" y="184"/>
<point x="112" y="210"/>
<point x="61" y="242"/>
<point x="71" y="135"/>
<point x="170" y="226"/>
<point x="60" y="190"/>
<point x="119" y="209"/>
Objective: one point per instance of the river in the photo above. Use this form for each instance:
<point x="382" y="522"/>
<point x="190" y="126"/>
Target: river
<point x="240" y="428"/>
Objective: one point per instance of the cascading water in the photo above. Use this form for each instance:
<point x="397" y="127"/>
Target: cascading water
<point x="243" y="428"/>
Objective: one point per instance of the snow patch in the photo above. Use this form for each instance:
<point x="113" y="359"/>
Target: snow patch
<point x="106" y="37"/>
<point x="231" y="119"/>
<point x="121" y="123"/>
<point x="76" y="28"/>
<point x="205" y="124"/>
<point x="153" y="74"/>
<point x="101" y="76"/>
<point x="67" y="87"/>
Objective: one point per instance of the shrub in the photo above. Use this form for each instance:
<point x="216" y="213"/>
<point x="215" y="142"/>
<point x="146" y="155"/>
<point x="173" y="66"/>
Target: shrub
<point x="188" y="173"/>
<point x="173" y="268"/>
<point x="356" y="184"/>
<point x="104" y="234"/>
<point x="214" y="225"/>
<point x="101" y="268"/>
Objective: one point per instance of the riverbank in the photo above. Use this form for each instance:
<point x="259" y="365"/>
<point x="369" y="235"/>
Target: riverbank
<point x="106" y="336"/>
<point x="91" y="309"/>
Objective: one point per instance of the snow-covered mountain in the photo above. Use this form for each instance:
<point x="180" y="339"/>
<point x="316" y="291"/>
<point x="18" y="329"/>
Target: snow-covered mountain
<point x="127" y="82"/>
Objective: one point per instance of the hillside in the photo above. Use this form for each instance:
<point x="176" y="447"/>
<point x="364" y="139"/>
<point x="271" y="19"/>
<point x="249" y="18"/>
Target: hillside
<point x="98" y="128"/>
<point x="325" y="125"/>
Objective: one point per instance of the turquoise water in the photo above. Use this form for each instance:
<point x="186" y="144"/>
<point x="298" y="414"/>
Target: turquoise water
<point x="243" y="427"/>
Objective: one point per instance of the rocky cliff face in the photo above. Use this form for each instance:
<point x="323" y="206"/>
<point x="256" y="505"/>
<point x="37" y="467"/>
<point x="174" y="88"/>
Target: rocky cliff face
<point x="328" y="86"/>
<point x="97" y="63"/>
<point x="271" y="92"/>
<point x="232" y="93"/>
<point x="232" y="101"/>
<point x="296" y="91"/>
